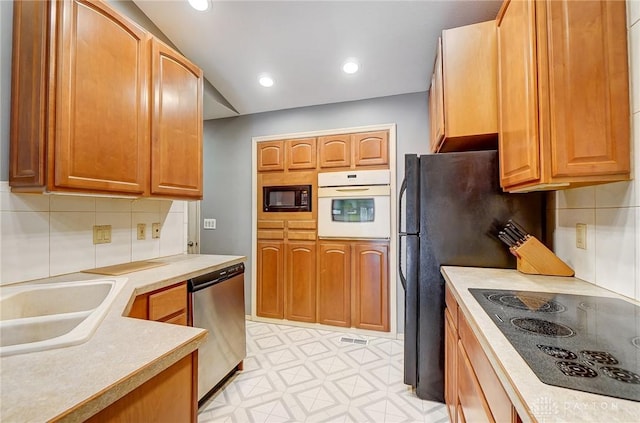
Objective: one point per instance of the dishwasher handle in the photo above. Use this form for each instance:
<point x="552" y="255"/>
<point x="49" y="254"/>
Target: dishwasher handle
<point x="208" y="279"/>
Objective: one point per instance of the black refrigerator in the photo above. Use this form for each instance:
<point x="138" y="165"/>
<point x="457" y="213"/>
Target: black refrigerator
<point x="453" y="210"/>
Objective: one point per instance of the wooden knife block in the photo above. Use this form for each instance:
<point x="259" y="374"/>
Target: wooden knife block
<point x="536" y="259"/>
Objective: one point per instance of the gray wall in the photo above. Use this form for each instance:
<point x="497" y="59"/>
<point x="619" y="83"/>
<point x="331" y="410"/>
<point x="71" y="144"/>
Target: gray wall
<point x="227" y="161"/>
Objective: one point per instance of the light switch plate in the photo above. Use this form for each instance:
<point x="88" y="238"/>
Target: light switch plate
<point x="155" y="230"/>
<point x="101" y="234"/>
<point x="142" y="231"/>
<point x="209" y="223"/>
<point x="581" y="236"/>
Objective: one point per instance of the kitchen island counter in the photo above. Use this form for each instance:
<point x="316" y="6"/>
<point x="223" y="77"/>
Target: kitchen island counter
<point x="534" y="400"/>
<point x="74" y="383"/>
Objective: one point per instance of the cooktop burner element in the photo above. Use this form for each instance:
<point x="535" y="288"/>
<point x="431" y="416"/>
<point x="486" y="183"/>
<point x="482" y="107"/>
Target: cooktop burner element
<point x="527" y="302"/>
<point x="621" y="375"/>
<point x="542" y="327"/>
<point x="579" y="342"/>
<point x="557" y="352"/>
<point x="600" y="357"/>
<point x="573" y="369"/>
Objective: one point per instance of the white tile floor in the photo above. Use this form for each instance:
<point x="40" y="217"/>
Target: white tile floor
<point x="294" y="374"/>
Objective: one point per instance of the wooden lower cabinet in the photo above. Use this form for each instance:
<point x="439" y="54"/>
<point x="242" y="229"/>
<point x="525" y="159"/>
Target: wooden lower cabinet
<point x="334" y="283"/>
<point x="169" y="397"/>
<point x="353" y="284"/>
<point x="270" y="279"/>
<point x="371" y="286"/>
<point x="300" y="280"/>
<point x="168" y="305"/>
<point x="473" y="392"/>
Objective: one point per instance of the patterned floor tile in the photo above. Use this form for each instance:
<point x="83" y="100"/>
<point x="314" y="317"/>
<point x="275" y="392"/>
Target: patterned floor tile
<point x="294" y="374"/>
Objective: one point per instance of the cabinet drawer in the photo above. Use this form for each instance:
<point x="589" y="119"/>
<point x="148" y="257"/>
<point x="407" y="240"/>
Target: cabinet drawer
<point x="270" y="224"/>
<point x="302" y="224"/>
<point x="496" y="397"/>
<point x="170" y="301"/>
<point x="271" y="234"/>
<point x="302" y="235"/>
<point x="180" y="319"/>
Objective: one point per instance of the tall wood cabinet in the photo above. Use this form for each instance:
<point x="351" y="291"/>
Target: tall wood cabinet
<point x="300" y="280"/>
<point x="564" y="114"/>
<point x="270" y="279"/>
<point x="82" y="119"/>
<point x="463" y="99"/>
<point x="334" y="283"/>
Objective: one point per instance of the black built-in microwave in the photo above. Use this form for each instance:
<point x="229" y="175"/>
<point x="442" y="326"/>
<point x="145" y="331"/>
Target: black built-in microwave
<point x="286" y="198"/>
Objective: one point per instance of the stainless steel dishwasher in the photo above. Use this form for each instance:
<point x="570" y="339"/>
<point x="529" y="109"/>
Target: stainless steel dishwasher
<point x="217" y="305"/>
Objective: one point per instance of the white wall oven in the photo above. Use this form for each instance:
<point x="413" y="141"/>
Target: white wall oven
<point x="355" y="204"/>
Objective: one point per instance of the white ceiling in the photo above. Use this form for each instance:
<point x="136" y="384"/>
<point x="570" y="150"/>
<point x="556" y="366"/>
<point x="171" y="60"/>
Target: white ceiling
<point x="303" y="44"/>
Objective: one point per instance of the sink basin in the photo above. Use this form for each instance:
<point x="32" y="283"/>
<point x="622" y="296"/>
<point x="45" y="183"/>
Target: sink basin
<point x="39" y="317"/>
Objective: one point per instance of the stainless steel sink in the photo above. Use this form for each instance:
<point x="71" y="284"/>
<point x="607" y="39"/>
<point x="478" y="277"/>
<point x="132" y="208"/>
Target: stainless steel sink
<point x="39" y="317"/>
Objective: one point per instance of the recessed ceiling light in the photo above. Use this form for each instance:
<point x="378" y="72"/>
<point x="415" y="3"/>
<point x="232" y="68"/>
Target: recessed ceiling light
<point x="200" y="5"/>
<point x="265" y="81"/>
<point x="350" y="66"/>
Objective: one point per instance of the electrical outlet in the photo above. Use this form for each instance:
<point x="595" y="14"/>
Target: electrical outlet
<point x="101" y="234"/>
<point x="142" y="231"/>
<point x="581" y="236"/>
<point x="209" y="223"/>
<point x="155" y="230"/>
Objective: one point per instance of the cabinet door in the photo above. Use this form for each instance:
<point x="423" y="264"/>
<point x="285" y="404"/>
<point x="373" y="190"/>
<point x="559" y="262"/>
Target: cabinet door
<point x="335" y="151"/>
<point x="176" y="128"/>
<point x="436" y="101"/>
<point x="474" y="407"/>
<point x="450" y="365"/>
<point x="588" y="93"/>
<point x="469" y="66"/>
<point x="270" y="156"/>
<point x="270" y="279"/>
<point x="334" y="283"/>
<point x="301" y="281"/>
<point x="371" y="148"/>
<point x="371" y="286"/>
<point x="519" y="142"/>
<point x="301" y="154"/>
<point x="101" y="115"/>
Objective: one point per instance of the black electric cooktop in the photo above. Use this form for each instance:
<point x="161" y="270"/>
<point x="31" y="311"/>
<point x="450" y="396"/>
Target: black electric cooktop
<point x="581" y="342"/>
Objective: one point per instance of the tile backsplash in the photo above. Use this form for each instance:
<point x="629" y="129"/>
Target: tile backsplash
<point x="611" y="211"/>
<point x="49" y="235"/>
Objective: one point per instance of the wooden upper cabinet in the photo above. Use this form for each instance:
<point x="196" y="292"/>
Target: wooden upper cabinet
<point x="98" y="138"/>
<point x="81" y="105"/>
<point x="176" y="125"/>
<point x="564" y="114"/>
<point x="270" y="156"/>
<point x="436" y="101"/>
<point x="301" y="154"/>
<point x="352" y="151"/>
<point x="465" y="99"/>
<point x="335" y="151"/>
<point x="371" y="286"/>
<point x="370" y="148"/>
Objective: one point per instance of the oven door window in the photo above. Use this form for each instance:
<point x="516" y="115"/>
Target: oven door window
<point x="353" y="210"/>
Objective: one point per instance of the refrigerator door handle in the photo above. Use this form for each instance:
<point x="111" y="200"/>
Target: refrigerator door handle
<point x="403" y="279"/>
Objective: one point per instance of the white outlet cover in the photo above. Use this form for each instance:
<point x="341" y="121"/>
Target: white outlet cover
<point x="209" y="224"/>
<point x="581" y="236"/>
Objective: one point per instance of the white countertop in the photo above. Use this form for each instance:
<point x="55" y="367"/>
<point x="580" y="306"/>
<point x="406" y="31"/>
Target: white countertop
<point x="534" y="400"/>
<point x="73" y="383"/>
